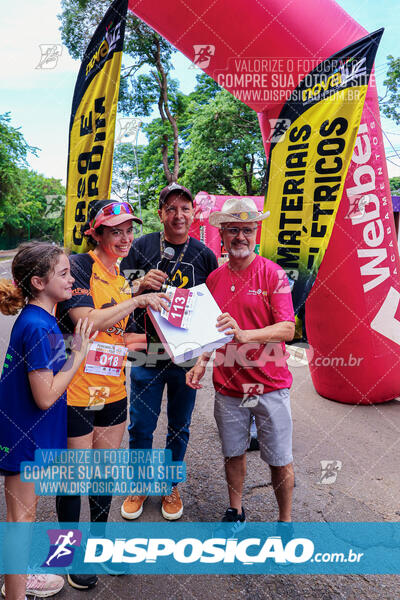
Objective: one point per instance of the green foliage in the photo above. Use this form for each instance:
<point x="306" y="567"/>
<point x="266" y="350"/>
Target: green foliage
<point x="38" y="212"/>
<point x="151" y="221"/>
<point x="145" y="81"/>
<point x="390" y="103"/>
<point x="31" y="205"/>
<point x="225" y="153"/>
<point x="206" y="89"/>
<point x="395" y="185"/>
<point x="13" y="152"/>
<point x="79" y="20"/>
<point x="207" y="139"/>
<point x="151" y="178"/>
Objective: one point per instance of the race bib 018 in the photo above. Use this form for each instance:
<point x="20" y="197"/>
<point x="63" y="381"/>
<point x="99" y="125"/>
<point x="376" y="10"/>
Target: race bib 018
<point x="105" y="359"/>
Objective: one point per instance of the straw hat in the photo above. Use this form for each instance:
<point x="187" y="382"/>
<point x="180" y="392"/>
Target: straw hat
<point x="237" y="210"/>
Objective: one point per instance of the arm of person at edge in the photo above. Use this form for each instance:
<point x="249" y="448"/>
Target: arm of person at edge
<point x="45" y="386"/>
<point x="283" y="331"/>
<point x="103" y="318"/>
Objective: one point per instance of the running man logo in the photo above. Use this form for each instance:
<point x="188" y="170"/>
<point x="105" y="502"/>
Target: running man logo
<point x="357" y="204"/>
<point x="50" y="53"/>
<point x="202" y="55"/>
<point x="97" y="397"/>
<point x="279" y="128"/>
<point x="283" y="285"/>
<point x="251" y="394"/>
<point x="128" y="129"/>
<point x="329" y="471"/>
<point x="61" y="553"/>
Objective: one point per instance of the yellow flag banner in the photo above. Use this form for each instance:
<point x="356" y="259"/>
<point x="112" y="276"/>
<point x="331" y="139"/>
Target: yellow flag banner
<point x="92" y="125"/>
<point x="313" y="142"/>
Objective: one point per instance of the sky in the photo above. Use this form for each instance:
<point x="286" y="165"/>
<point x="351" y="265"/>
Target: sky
<point x="39" y="99"/>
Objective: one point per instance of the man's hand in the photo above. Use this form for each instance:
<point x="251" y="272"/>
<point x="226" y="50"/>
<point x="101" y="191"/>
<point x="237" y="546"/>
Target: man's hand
<point x="228" y="325"/>
<point x="195" y="374"/>
<point x="155" y="301"/>
<point x="153" y="280"/>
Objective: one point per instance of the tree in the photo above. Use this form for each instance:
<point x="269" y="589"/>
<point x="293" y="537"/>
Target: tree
<point x="139" y="92"/>
<point x="31" y="205"/>
<point x="395" y="185"/>
<point x="13" y="154"/>
<point x="208" y="138"/>
<point x="390" y="102"/>
<point x="127" y="185"/>
<point x="37" y="211"/>
<point x="224" y="152"/>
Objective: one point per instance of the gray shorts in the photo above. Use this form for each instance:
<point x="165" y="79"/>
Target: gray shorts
<point x="273" y="421"/>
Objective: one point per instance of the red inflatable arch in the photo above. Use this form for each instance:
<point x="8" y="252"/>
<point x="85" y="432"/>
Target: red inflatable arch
<point x="353" y="308"/>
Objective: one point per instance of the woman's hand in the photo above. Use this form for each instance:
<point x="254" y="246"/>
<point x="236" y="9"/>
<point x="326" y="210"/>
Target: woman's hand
<point x="228" y="325"/>
<point x="155" y="301"/>
<point x="81" y="338"/>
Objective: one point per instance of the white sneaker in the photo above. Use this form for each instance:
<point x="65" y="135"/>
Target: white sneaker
<point x="41" y="586"/>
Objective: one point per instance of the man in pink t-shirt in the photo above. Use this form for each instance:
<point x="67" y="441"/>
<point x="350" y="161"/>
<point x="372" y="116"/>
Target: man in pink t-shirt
<point x="250" y="375"/>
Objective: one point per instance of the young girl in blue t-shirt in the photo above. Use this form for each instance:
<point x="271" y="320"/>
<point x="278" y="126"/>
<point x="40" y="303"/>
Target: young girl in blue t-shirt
<point x="33" y="384"/>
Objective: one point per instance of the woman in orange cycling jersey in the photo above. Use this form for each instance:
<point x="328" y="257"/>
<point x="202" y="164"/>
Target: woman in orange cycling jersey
<point x="96" y="397"/>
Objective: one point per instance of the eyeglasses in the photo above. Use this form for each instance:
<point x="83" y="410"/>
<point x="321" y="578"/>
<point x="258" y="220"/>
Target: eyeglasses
<point x="247" y="231"/>
<point x="116" y="208"/>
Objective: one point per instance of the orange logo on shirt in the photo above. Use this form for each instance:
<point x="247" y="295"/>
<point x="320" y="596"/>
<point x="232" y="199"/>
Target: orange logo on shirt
<point x="80" y="292"/>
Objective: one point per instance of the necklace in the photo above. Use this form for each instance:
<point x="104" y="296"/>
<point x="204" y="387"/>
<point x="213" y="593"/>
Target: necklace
<point x="233" y="286"/>
<point x="178" y="262"/>
<point x="242" y="278"/>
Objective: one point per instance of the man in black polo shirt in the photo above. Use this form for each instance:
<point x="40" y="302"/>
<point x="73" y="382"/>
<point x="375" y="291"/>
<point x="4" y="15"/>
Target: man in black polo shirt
<point x="191" y="264"/>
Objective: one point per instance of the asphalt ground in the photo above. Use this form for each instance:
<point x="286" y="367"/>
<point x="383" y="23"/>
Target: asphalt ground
<point x="364" y="439"/>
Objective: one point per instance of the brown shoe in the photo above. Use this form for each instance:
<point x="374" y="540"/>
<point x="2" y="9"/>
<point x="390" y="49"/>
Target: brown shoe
<point x="132" y="507"/>
<point x="172" y="505"/>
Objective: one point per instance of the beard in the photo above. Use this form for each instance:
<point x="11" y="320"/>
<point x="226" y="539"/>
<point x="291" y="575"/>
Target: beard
<point x="240" y="252"/>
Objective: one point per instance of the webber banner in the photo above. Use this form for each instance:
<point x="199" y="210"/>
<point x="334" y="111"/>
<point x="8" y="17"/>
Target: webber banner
<point x="92" y="125"/>
<point x="312" y="145"/>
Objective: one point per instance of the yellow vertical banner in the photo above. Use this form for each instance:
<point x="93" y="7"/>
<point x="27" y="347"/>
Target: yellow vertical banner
<point x="312" y="148"/>
<point x="92" y="125"/>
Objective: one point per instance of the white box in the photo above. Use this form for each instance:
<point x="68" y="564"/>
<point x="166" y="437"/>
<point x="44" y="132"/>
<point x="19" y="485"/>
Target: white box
<point x="202" y="335"/>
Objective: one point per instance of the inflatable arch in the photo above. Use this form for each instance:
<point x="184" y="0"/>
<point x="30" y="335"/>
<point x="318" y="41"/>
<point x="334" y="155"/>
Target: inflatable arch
<point x="353" y="308"/>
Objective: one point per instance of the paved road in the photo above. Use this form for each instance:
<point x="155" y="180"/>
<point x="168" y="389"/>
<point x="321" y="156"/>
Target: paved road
<point x="364" y="439"/>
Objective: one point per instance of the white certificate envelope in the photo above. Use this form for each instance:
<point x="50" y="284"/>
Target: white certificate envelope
<point x="202" y="335"/>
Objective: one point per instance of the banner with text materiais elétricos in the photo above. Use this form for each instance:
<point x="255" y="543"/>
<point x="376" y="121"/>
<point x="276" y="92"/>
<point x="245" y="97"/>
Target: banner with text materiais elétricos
<point x="313" y="141"/>
<point x="92" y="125"/>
